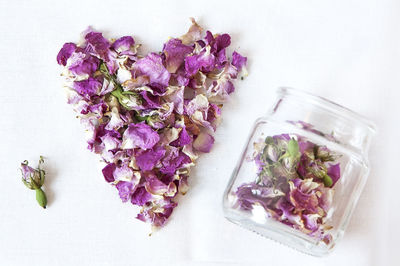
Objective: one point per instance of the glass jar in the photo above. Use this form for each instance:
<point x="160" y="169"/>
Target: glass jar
<point x="301" y="172"/>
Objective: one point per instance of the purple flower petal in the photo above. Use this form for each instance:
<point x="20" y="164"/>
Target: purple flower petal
<point x="140" y="196"/>
<point x="205" y="62"/>
<point x="154" y="185"/>
<point x="238" y="61"/>
<point x="173" y="160"/>
<point x="110" y="142"/>
<point x="139" y="136"/>
<point x="222" y="41"/>
<point x="301" y="199"/>
<point x="97" y="45"/>
<point x="157" y="214"/>
<point x="203" y="142"/>
<point x="124" y="173"/>
<point x="65" y="53"/>
<point x="123" y="45"/>
<point x="176" y="97"/>
<point x="218" y="43"/>
<point x="125" y="190"/>
<point x="146" y="160"/>
<point x="81" y="64"/>
<point x="311" y="221"/>
<point x="151" y="101"/>
<point x="108" y="172"/>
<point x="221" y="58"/>
<point x="183" y="139"/>
<point x="152" y="66"/>
<point x="27" y="171"/>
<point x="175" y="53"/>
<point x="88" y="87"/>
<point x="334" y="173"/>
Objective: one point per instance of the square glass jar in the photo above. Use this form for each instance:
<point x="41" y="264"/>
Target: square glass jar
<point x="301" y="172"/>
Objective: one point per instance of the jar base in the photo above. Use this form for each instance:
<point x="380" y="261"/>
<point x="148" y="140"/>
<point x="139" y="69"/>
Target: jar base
<point x="277" y="232"/>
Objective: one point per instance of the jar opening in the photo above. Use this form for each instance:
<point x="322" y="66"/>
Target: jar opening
<point x="324" y="117"/>
<point x="336" y="108"/>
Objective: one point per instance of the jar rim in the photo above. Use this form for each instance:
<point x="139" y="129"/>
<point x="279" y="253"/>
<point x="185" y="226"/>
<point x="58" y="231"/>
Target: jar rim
<point x="335" y="107"/>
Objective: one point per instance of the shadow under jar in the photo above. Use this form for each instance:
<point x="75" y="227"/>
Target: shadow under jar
<point x="301" y="172"/>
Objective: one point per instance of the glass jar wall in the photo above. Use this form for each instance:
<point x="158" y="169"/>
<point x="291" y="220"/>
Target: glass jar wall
<point x="301" y="172"/>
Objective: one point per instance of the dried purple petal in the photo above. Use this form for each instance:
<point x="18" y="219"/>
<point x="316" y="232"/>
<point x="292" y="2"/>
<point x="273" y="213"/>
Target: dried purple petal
<point x="97" y="45"/>
<point x="238" y="61"/>
<point x="146" y="160"/>
<point x="140" y="196"/>
<point x="334" y="172"/>
<point x="203" y="142"/>
<point x="152" y="66"/>
<point x="125" y="190"/>
<point x="65" y="53"/>
<point x="205" y="62"/>
<point x="123" y="45"/>
<point x="139" y="136"/>
<point x="175" y="52"/>
<point x="108" y="172"/>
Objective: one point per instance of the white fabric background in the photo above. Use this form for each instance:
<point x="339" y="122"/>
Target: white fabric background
<point x="347" y="51"/>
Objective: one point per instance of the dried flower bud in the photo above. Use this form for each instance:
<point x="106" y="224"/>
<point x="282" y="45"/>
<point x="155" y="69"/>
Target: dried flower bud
<point x="323" y="153"/>
<point x="34" y="179"/>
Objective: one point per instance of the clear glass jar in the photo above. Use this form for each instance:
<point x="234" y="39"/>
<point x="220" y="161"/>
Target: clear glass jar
<point x="301" y="172"/>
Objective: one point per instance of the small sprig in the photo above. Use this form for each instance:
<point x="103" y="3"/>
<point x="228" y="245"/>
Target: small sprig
<point x="34" y="179"/>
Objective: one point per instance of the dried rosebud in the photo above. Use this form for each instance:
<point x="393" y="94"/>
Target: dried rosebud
<point x="323" y="153"/>
<point x="271" y="152"/>
<point x="34" y="179"/>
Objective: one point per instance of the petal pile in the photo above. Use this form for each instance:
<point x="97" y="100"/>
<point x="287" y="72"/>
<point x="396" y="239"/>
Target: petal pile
<point x="150" y="116"/>
<point x="294" y="185"/>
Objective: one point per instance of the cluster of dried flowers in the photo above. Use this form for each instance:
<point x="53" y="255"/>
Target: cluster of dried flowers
<point x="294" y="185"/>
<point x="149" y="116"/>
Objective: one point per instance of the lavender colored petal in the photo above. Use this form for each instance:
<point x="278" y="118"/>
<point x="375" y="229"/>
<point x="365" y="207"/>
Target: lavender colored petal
<point x="139" y="136"/>
<point x="66" y="51"/>
<point x="27" y="171"/>
<point x="97" y="45"/>
<point x="125" y="190"/>
<point x="81" y="64"/>
<point x="183" y="139"/>
<point x="152" y="66"/>
<point x="203" y="142"/>
<point x="146" y="160"/>
<point x="88" y="87"/>
<point x="334" y="173"/>
<point x="238" y="61"/>
<point x="140" y="196"/>
<point x="205" y="62"/>
<point x="123" y="44"/>
<point x="175" y="52"/>
<point x="108" y="172"/>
